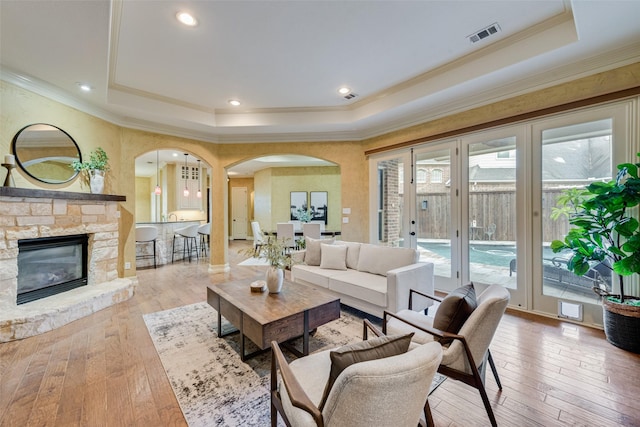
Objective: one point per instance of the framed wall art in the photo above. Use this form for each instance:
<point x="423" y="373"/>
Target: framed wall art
<point x="318" y="206"/>
<point x="298" y="203"/>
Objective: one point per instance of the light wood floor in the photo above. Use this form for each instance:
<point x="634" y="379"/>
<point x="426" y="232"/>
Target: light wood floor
<point x="104" y="370"/>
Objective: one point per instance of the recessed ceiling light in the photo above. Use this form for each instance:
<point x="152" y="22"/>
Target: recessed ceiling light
<point x="175" y="154"/>
<point x="344" y="90"/>
<point x="187" y="19"/>
<point x="234" y="102"/>
<point x="85" y="87"/>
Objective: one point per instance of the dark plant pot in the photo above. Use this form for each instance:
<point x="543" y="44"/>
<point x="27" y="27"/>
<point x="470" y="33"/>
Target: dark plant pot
<point x="622" y="325"/>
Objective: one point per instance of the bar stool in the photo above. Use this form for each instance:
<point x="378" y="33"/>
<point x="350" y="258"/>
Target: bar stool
<point x="204" y="231"/>
<point x="189" y="242"/>
<point x="147" y="234"/>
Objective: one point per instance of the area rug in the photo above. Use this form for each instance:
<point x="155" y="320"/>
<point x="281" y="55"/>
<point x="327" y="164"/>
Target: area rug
<point x="254" y="261"/>
<point x="212" y="384"/>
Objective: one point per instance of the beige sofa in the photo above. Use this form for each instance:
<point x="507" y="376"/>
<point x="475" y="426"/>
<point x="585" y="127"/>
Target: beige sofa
<point x="368" y="277"/>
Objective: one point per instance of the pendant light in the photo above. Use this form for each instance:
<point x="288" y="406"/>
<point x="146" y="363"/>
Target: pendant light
<point x="199" y="193"/>
<point x="186" y="176"/>
<point x="158" y="190"/>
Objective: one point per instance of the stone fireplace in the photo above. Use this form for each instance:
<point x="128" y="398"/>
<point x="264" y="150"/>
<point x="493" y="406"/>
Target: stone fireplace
<point x="50" y="265"/>
<point x="28" y="215"/>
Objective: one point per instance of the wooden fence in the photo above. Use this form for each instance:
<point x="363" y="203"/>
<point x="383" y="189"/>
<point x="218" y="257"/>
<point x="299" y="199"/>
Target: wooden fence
<point x="490" y="207"/>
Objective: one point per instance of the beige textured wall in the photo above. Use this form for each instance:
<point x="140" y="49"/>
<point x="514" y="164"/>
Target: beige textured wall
<point x="262" y="197"/>
<point x="19" y="108"/>
<point x="588" y="87"/>
<point x="143" y="199"/>
<point x="286" y="180"/>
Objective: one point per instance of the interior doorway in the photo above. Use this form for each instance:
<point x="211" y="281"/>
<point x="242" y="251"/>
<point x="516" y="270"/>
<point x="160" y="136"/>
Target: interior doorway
<point x="239" y="213"/>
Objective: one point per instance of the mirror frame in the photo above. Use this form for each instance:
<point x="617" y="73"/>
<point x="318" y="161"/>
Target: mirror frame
<point x="14" y="147"/>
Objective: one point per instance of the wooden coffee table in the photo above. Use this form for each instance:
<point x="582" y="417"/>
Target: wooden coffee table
<point x="264" y="317"/>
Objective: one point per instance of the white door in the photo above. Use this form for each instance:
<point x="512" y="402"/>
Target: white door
<point x="239" y="212"/>
<point x="571" y="152"/>
<point x="434" y="206"/>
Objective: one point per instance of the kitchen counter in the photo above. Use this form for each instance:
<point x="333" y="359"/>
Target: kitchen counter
<point x="166" y="231"/>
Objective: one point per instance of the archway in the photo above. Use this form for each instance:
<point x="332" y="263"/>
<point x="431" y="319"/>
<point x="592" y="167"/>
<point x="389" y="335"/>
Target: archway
<point x="172" y="192"/>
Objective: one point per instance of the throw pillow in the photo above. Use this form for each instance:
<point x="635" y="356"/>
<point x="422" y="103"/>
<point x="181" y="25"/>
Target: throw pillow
<point x="455" y="309"/>
<point x="333" y="257"/>
<point x="375" y="348"/>
<point x="353" y="253"/>
<point x="312" y="250"/>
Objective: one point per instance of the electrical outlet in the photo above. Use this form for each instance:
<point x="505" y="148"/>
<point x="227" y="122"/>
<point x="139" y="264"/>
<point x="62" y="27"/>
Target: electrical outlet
<point x="127" y="266"/>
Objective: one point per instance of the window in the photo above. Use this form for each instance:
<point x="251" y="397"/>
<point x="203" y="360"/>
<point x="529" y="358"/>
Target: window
<point x="421" y="176"/>
<point x="436" y="176"/>
<point x="511" y="154"/>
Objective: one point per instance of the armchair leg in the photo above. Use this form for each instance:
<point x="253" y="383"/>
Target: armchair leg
<point x="427" y="414"/>
<point x="477" y="379"/>
<point x="274" y="414"/>
<point x="493" y="369"/>
<point x="487" y="405"/>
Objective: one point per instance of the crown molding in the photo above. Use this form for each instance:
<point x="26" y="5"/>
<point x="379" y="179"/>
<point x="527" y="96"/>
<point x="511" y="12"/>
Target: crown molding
<point x="612" y="59"/>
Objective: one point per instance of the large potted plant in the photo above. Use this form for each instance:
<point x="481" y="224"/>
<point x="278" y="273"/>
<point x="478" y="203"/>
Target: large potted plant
<point x="275" y="252"/>
<point x="604" y="229"/>
<point x="94" y="169"/>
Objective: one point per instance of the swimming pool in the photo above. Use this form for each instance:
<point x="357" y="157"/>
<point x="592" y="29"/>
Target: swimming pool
<point x="488" y="254"/>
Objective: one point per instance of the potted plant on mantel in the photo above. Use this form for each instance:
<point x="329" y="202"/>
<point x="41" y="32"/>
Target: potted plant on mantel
<point x="94" y="169"/>
<point x="605" y="230"/>
<point x="274" y="251"/>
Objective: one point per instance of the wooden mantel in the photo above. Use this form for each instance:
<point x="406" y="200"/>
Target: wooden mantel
<point x="53" y="194"/>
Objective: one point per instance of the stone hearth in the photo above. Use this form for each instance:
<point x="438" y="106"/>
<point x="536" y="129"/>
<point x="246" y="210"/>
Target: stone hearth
<point x="29" y="214"/>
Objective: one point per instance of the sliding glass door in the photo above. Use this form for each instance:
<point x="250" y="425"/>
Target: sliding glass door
<point x="434" y="207"/>
<point x="570" y="153"/>
<point x="484" y="207"/>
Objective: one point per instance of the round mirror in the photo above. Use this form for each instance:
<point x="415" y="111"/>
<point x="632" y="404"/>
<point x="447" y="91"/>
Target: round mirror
<point x="45" y="152"/>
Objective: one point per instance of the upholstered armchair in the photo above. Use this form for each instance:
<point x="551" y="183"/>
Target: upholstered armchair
<point x="466" y="350"/>
<point x="389" y="391"/>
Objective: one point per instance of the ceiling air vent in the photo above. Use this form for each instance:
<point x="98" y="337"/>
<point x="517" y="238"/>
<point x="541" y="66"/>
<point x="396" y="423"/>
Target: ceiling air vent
<point x="350" y="96"/>
<point x="484" y="33"/>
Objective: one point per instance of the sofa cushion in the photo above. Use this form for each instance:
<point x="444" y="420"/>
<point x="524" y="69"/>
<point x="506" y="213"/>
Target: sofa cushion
<point x="312" y="252"/>
<point x="353" y="253"/>
<point x="364" y="286"/>
<point x="455" y="309"/>
<point x="333" y="257"/>
<point x="375" y="348"/>
<point x="313" y="275"/>
<point x="380" y="259"/>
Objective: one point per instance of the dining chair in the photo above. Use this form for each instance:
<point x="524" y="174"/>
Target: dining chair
<point x="258" y="237"/>
<point x="322" y="224"/>
<point x="286" y="233"/>
<point x="311" y="230"/>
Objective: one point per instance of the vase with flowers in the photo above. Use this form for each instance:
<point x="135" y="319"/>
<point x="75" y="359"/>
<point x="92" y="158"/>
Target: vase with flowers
<point x="275" y="252"/>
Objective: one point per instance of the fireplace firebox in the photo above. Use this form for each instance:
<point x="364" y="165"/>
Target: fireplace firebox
<point x="51" y="265"/>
